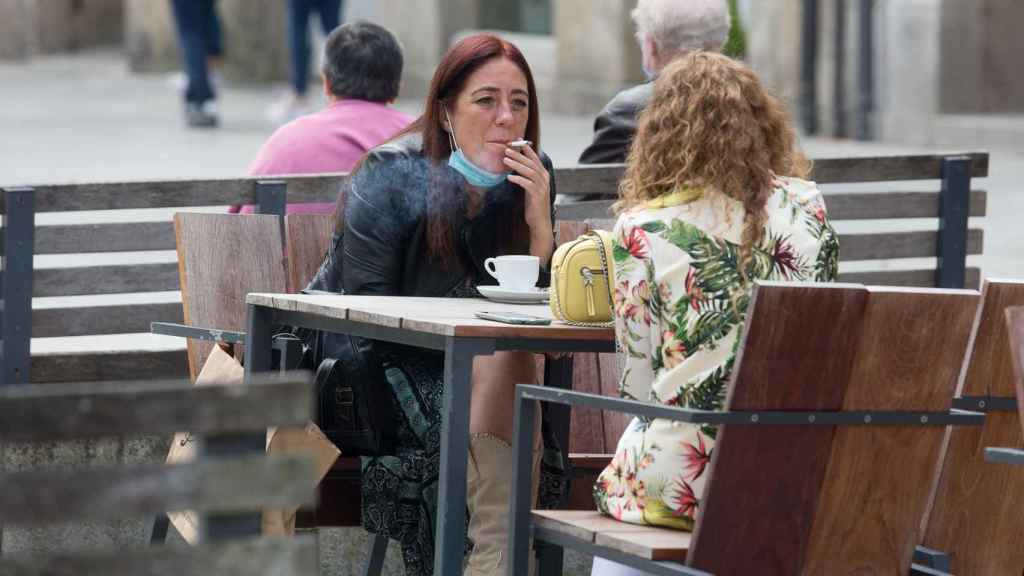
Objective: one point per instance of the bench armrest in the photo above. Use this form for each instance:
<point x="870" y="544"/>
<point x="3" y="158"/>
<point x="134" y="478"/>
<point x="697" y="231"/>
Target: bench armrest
<point x="954" y="417"/>
<point x="197" y="333"/>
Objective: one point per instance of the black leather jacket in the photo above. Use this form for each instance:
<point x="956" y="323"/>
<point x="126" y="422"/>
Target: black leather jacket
<point x="615" y="126"/>
<point x="383" y="247"/>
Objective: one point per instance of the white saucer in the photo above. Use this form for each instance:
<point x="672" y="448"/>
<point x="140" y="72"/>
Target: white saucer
<point x="510" y="296"/>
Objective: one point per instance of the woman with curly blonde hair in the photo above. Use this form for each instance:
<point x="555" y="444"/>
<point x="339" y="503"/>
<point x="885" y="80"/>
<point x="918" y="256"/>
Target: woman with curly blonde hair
<point x="713" y="199"/>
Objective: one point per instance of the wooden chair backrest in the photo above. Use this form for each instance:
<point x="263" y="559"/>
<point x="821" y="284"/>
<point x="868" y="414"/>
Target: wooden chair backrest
<point x="975" y="515"/>
<point x="221" y="258"/>
<point x="823" y="499"/>
<point x="307" y="238"/>
<point x="879" y="478"/>
<point x="1015" y="331"/>
<point x="42" y="497"/>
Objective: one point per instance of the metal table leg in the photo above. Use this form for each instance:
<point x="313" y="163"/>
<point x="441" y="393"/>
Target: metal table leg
<point x="451" y="493"/>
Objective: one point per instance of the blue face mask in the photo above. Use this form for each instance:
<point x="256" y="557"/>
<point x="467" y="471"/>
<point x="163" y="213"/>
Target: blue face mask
<point x="474" y="175"/>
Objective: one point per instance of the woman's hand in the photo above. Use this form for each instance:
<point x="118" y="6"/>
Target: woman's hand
<point x="530" y="174"/>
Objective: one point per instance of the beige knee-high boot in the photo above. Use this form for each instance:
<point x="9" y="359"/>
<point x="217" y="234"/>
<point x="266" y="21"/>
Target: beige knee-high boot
<point x="488" y="489"/>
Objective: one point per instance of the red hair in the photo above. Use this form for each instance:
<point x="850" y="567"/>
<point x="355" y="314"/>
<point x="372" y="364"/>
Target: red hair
<point x="450" y="77"/>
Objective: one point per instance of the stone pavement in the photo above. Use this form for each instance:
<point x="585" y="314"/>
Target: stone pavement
<point x="82" y="117"/>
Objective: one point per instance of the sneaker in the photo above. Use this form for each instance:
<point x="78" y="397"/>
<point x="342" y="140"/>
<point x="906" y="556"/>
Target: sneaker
<point x="288" y="108"/>
<point x="201" y="114"/>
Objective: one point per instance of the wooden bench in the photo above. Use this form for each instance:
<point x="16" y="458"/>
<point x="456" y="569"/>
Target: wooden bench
<point x="229" y="482"/>
<point x="844" y="433"/>
<point x="23" y="239"/>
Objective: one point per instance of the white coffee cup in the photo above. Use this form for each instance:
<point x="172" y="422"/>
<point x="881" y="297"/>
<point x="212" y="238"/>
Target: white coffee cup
<point x="514" y="272"/>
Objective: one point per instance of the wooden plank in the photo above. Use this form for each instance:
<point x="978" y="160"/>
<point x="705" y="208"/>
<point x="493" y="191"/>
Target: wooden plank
<point x="107" y="279"/>
<point x="741" y="511"/>
<point x="975" y="514"/>
<point x="258" y="557"/>
<point x="659" y="544"/>
<point x="178" y="193"/>
<point x="586" y="424"/>
<point x="582" y="524"/>
<point x="88" y="320"/>
<point x="324" y="187"/>
<point x="80" y="410"/>
<point x="34" y="498"/>
<point x="308" y="239"/>
<point x="1015" y="331"/>
<point x="614" y="422"/>
<point x="589" y="179"/>
<point x="108" y="365"/>
<point x="892" y="205"/>
<point x="604" y="178"/>
<point x="106" y="237"/>
<point x="841" y="206"/>
<point x="890" y="168"/>
<point x="887" y="245"/>
<point x="988" y="368"/>
<point x="222" y="257"/>
<point x="917" y="278"/>
<point x="315" y="188"/>
<point x="908" y="356"/>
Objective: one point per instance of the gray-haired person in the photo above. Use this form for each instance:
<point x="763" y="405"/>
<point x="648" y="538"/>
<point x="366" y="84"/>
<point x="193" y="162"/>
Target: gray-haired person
<point x="666" y="29"/>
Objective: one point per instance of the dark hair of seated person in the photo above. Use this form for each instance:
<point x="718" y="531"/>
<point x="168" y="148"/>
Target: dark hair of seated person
<point x="363" y="61"/>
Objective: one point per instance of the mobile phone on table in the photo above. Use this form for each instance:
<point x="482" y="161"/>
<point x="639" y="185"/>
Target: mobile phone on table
<point x="509" y="317"/>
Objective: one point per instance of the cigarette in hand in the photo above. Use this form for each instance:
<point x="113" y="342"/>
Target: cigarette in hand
<point x="519" y="143"/>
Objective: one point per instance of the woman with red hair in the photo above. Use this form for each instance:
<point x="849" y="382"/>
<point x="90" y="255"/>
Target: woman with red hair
<point x="422" y="214"/>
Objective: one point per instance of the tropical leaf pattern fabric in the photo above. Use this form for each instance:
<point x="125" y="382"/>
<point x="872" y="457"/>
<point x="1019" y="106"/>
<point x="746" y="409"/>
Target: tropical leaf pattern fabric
<point x="680" y="300"/>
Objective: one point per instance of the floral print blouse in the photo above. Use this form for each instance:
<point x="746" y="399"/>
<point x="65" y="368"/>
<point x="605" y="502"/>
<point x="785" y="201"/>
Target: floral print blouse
<point x="680" y="302"/>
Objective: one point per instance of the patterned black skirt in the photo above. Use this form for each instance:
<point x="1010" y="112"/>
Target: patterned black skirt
<point x="399" y="491"/>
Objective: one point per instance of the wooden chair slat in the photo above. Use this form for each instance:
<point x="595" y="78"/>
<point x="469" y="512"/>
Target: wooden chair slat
<point x="889" y="245"/>
<point x="659" y="546"/>
<point x="308" y="239"/>
<point x="841" y="206"/>
<point x="105" y="279"/>
<point x="876" y="487"/>
<point x="1015" y="332"/>
<point x="249" y="257"/>
<point x="40" y="497"/>
<point x="989" y="365"/>
<point x="108" y="365"/>
<point x="916" y="278"/>
<point x="107" y="237"/>
<point x="587" y="425"/>
<point x="975" y="514"/>
<point x="90" y="320"/>
<point x="60" y="412"/>
<point x="768" y="376"/>
<point x="591" y="526"/>
<point x="257" y="557"/>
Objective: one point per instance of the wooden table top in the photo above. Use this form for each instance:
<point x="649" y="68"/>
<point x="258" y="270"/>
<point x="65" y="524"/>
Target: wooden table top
<point x="444" y="316"/>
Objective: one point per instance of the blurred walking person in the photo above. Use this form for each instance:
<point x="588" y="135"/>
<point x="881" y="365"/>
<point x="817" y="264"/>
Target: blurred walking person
<point x="296" y="103"/>
<point x="199" y="42"/>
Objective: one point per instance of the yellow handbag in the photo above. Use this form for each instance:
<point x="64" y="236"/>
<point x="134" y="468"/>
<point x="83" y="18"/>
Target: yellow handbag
<point x="582" y="279"/>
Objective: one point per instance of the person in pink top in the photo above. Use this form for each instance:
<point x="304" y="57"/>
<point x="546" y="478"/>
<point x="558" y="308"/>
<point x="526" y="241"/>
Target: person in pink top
<point x="362" y="70"/>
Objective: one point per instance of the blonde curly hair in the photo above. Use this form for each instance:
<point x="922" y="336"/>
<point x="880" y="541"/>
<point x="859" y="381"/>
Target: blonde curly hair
<point x="711" y="125"/>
